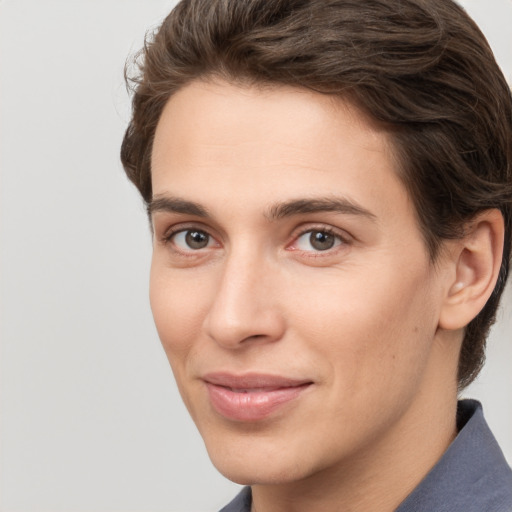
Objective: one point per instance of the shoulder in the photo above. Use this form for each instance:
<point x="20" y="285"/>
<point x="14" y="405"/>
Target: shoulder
<point x="472" y="475"/>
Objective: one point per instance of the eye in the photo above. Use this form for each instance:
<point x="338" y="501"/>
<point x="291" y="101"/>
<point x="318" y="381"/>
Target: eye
<point x="317" y="240"/>
<point x="191" y="239"/>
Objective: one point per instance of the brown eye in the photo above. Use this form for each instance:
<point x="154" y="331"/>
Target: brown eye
<point x="321" y="241"/>
<point x="317" y="240"/>
<point x="192" y="239"/>
<point x="197" y="239"/>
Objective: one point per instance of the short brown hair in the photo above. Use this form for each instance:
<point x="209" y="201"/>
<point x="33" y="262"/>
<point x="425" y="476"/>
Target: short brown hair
<point x="421" y="66"/>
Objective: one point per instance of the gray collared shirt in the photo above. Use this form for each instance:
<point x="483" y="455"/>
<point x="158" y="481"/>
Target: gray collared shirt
<point x="472" y="475"/>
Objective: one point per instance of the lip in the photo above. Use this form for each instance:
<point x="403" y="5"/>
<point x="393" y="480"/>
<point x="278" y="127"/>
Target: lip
<point x="251" y="397"/>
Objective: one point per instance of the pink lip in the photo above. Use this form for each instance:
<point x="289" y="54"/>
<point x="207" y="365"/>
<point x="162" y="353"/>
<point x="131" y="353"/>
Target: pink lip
<point x="251" y="397"/>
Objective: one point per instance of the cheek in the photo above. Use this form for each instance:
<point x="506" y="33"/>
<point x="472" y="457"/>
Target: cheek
<point x="177" y="303"/>
<point x="372" y="332"/>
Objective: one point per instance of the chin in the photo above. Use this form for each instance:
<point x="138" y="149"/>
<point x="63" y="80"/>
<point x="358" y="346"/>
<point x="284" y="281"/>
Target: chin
<point x="247" y="472"/>
<point x="260" y="462"/>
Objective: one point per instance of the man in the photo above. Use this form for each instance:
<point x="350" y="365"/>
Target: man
<point x="329" y="186"/>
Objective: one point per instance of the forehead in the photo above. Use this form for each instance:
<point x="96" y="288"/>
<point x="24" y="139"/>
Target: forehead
<point x="217" y="141"/>
<point x="202" y="112"/>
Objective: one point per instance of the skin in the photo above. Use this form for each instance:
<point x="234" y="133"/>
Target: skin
<point x="362" y="320"/>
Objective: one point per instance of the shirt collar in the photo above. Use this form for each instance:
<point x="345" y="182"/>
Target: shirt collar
<point x="472" y="475"/>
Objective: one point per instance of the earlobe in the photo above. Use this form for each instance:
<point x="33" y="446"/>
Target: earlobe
<point x="477" y="261"/>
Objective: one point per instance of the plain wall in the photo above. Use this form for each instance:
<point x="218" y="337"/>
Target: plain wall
<point x="90" y="416"/>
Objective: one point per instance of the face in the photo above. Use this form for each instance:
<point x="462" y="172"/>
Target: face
<point x="290" y="284"/>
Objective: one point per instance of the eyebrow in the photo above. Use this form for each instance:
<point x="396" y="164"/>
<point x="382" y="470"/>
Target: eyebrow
<point x="278" y="211"/>
<point x="176" y="205"/>
<point x="317" y="205"/>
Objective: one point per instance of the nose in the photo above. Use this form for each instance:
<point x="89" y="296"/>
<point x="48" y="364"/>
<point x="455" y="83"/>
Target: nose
<point x="244" y="310"/>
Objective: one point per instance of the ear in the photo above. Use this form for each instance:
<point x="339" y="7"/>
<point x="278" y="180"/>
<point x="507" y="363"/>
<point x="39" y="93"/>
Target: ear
<point x="476" y="262"/>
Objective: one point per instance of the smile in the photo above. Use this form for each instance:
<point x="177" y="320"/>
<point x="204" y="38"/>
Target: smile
<point x="251" y="397"/>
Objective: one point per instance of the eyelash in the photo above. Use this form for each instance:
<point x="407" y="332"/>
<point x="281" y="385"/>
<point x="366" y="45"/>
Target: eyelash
<point x="168" y="236"/>
<point x="327" y="230"/>
<point x="167" y="239"/>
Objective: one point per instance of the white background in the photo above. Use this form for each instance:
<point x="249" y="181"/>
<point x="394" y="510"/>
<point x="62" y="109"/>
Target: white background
<point x="90" y="417"/>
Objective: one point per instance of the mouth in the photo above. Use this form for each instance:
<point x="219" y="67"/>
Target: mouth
<point x="251" y="397"/>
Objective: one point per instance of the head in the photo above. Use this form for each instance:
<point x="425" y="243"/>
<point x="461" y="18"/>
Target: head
<point x="424" y="69"/>
<point x="416" y="77"/>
